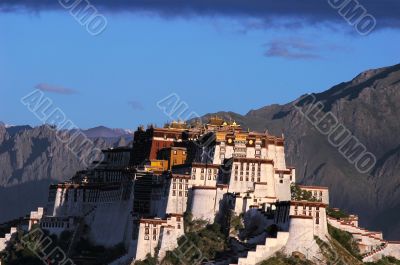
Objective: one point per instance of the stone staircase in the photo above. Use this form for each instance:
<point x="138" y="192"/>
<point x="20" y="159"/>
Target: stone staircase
<point x="238" y="249"/>
<point x="268" y="249"/>
<point x="342" y="225"/>
<point x="7" y="237"/>
<point x="361" y="234"/>
<point x="376" y="254"/>
<point x="374" y="239"/>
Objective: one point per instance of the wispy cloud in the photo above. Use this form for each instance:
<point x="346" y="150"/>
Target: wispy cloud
<point x="293" y="48"/>
<point x="136" y="105"/>
<point x="55" y="89"/>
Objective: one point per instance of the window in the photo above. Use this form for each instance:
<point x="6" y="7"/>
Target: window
<point x="281" y="181"/>
<point x="173" y="193"/>
<point x="175" y="152"/>
<point x="209" y="177"/>
<point x="186" y="193"/>
<point x="194" y="170"/>
<point x="180" y="193"/>
<point x="193" y="176"/>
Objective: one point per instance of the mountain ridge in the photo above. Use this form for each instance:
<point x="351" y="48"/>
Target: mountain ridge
<point x="368" y="105"/>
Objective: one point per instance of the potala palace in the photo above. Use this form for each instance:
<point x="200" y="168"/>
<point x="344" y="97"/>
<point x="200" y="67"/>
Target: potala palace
<point x="139" y="195"/>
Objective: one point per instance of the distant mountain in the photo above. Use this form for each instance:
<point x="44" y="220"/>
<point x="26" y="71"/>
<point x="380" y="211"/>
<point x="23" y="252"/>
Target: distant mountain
<point x="369" y="106"/>
<point x="30" y="159"/>
<point x="12" y="130"/>
<point x="104" y="132"/>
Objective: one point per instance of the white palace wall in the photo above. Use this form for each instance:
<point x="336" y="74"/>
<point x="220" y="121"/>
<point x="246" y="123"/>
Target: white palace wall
<point x="206" y="201"/>
<point x="110" y="223"/>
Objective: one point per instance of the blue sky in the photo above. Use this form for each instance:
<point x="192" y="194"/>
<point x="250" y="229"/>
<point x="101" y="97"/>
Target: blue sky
<point x="212" y="62"/>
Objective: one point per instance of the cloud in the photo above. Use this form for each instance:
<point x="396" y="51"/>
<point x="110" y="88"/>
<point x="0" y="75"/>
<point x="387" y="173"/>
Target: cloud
<point x="136" y="105"/>
<point x="292" y="48"/>
<point x="306" y="11"/>
<point x="55" y="89"/>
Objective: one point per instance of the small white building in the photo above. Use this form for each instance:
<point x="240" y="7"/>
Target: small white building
<point x="157" y="236"/>
<point x="318" y="192"/>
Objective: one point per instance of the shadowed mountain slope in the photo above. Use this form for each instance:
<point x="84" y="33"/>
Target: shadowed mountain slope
<point x="369" y="106"/>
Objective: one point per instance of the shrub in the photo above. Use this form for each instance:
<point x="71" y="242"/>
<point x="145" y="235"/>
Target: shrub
<point x="338" y="214"/>
<point x="298" y="194"/>
<point x="202" y="244"/>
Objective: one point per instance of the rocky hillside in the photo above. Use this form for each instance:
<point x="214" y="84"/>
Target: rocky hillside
<point x="31" y="159"/>
<point x="369" y="106"/>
